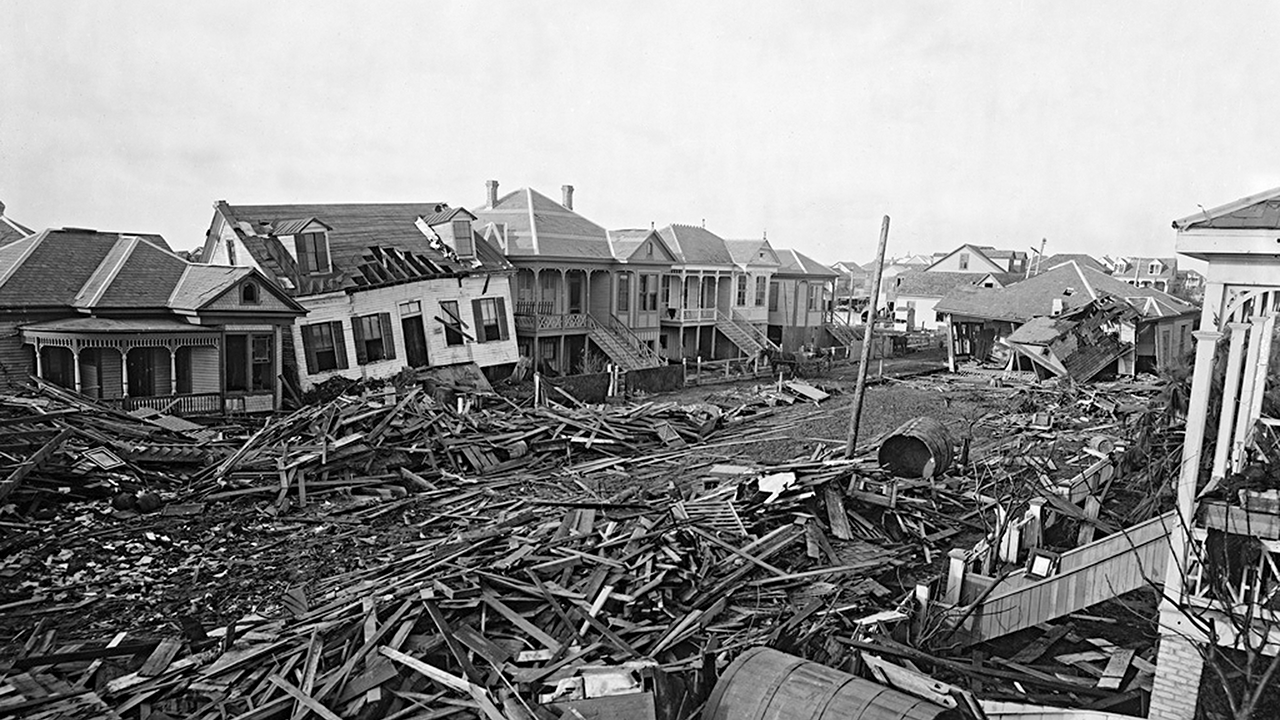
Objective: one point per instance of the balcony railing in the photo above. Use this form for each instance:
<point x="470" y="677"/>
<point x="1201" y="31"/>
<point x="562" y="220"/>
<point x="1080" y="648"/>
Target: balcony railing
<point x="189" y="404"/>
<point x="689" y="315"/>
<point x="536" y="323"/>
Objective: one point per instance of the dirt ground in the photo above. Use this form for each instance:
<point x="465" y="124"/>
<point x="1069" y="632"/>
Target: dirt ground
<point x="152" y="574"/>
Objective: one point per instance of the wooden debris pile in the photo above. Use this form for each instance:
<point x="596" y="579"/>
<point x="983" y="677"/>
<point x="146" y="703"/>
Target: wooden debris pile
<point x="55" y="446"/>
<point x="499" y="600"/>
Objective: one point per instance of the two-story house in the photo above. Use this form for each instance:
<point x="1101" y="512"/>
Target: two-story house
<point x="583" y="295"/>
<point x="386" y="286"/>
<point x="799" y="301"/>
<point x="122" y="319"/>
<point x="1153" y="272"/>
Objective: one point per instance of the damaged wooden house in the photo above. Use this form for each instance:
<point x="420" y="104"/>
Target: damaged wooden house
<point x="981" y="322"/>
<point x="385" y="287"/>
<point x="122" y="319"/>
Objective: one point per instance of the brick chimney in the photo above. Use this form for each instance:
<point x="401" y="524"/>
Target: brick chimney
<point x="492" y="187"/>
<point x="567" y="192"/>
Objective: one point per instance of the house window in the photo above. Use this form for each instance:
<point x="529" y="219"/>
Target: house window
<point x="762" y="288"/>
<point x="313" y="252"/>
<point x="1182" y="339"/>
<point x="452" y="322"/>
<point x="249" y="293"/>
<point x="249" y="363"/>
<point x="773" y="297"/>
<point x="325" y="346"/>
<point x="648" y="292"/>
<point x="413" y="307"/>
<point x="462" y="240"/>
<point x="491" y="319"/>
<point x="373" y="338"/>
<point x="648" y="250"/>
<point x="742" y="291"/>
<point x="1153" y="268"/>
<point x="624" y="292"/>
<point x="964" y="261"/>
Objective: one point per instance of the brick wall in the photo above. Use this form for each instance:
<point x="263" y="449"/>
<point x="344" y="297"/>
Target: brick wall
<point x="1177" y="683"/>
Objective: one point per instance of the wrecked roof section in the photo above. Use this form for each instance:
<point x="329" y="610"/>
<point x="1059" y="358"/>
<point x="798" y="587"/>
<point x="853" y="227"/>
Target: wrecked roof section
<point x="1079" y="344"/>
<point x="1070" y="284"/>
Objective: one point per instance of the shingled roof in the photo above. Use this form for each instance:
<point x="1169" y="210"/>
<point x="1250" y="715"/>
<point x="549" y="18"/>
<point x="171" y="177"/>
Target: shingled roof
<point x="92" y="271"/>
<point x="933" y="283"/>
<point x="370" y="244"/>
<point x="694" y="245"/>
<point x="534" y="225"/>
<point x="1074" y="285"/>
<point x="795" y="262"/>
<point x="10" y="229"/>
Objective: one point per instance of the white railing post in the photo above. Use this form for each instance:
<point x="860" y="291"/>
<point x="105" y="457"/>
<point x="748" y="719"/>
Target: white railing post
<point x="957" y="566"/>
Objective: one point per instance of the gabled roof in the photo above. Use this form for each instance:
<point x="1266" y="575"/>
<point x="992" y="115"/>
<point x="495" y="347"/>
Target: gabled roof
<point x="845" y="268"/>
<point x="625" y="243"/>
<point x="534" y="225"/>
<point x="1070" y="282"/>
<point x="795" y="262"/>
<point x="10" y="229"/>
<point x="752" y="253"/>
<point x="92" y="272"/>
<point x="202" y="284"/>
<point x="1254" y="212"/>
<point x="978" y="252"/>
<point x="1080" y="259"/>
<point x="694" y="245"/>
<point x="934" y="283"/>
<point x="1139" y="267"/>
<point x="369" y="243"/>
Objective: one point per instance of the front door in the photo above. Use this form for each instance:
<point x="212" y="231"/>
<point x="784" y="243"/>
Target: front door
<point x="141" y="364"/>
<point x="415" y="341"/>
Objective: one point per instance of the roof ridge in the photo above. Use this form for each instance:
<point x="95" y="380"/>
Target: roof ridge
<point x="168" y="302"/>
<point x="533" y="222"/>
<point x="35" y="241"/>
<point x="106" y="271"/>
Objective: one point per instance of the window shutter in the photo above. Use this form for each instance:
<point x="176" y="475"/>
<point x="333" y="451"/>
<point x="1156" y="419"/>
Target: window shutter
<point x="339" y="344"/>
<point x="309" y="348"/>
<point x="477" y="317"/>
<point x="301" y="250"/>
<point x="322" y="252"/>
<point x="357" y="334"/>
<point x="388" y="340"/>
<point x="502" y="319"/>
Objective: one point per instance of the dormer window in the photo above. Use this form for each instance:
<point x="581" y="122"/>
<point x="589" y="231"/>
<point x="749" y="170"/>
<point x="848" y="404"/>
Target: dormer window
<point x="463" y="244"/>
<point x="1153" y="268"/>
<point x="312" y="252"/>
<point x="249" y="294"/>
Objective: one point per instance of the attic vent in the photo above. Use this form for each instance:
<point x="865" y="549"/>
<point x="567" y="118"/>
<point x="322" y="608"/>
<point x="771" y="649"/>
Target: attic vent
<point x="1069" y="291"/>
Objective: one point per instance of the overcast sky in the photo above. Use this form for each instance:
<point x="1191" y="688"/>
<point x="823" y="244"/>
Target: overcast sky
<point x="1091" y="124"/>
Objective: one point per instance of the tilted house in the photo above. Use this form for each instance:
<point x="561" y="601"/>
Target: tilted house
<point x="581" y="292"/>
<point x="980" y="318"/>
<point x="917" y="293"/>
<point x="386" y="286"/>
<point x="123" y="319"/>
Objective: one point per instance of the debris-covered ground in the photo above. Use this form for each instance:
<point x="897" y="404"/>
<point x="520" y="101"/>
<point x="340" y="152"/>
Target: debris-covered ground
<point x="391" y="557"/>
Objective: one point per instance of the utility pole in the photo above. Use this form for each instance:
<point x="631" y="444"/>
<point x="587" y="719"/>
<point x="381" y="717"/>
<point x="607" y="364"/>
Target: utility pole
<point x="855" y="416"/>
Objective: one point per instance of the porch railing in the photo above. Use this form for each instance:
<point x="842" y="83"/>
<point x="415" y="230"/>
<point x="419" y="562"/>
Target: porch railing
<point x="189" y="404"/>
<point x="689" y="314"/>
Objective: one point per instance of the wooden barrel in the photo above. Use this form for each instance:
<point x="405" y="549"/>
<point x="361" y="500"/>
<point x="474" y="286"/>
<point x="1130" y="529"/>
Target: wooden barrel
<point x="919" y="448"/>
<point x="765" y="684"/>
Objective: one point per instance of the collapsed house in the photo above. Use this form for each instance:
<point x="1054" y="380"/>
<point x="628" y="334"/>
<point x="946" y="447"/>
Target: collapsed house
<point x="980" y="321"/>
<point x="1079" y="344"/>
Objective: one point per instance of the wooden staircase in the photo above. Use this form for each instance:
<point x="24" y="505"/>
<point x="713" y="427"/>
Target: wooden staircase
<point x="844" y="333"/>
<point x="745" y="336"/>
<point x="621" y="345"/>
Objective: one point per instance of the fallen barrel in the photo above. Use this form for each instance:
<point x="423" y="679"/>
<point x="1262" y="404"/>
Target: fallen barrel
<point x="919" y="448"/>
<point x="765" y="683"/>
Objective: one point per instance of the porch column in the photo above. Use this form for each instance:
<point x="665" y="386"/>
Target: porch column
<point x="173" y="371"/>
<point x="537" y="292"/>
<point x="1254" y="358"/>
<point x="39" y="362"/>
<point x="562" y="294"/>
<point x="75" y="366"/>
<point x="1230" y="390"/>
<point x="124" y="372"/>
